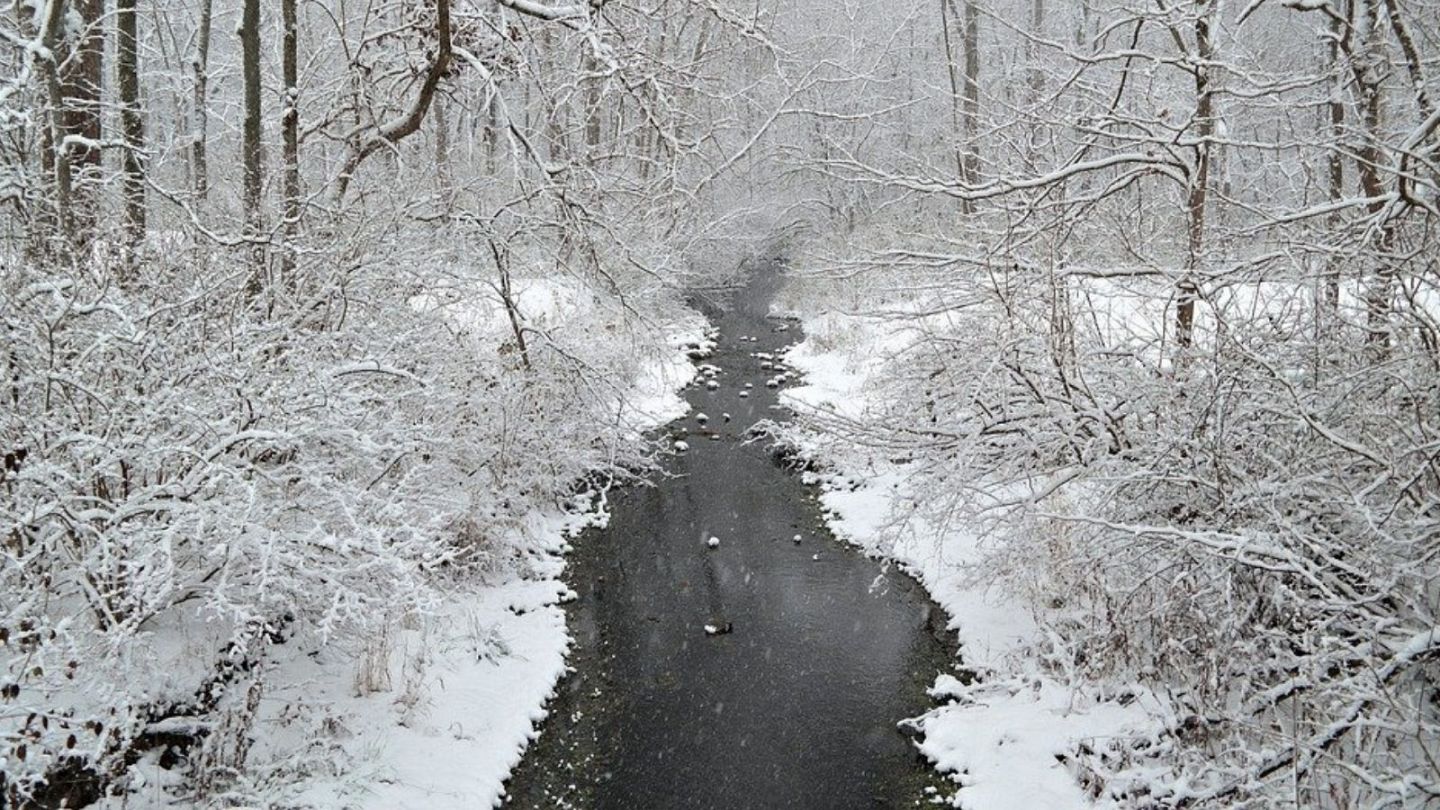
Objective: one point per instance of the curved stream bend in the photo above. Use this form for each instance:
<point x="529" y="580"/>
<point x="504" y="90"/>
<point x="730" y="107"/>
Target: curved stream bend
<point x="797" y="706"/>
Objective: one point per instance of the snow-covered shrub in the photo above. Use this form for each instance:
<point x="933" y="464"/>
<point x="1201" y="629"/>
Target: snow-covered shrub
<point x="183" y="459"/>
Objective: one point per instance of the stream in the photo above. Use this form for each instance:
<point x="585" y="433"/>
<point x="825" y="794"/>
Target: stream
<point x="820" y="651"/>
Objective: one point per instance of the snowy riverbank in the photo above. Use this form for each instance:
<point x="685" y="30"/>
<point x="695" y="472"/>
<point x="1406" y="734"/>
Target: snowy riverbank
<point x="435" y="709"/>
<point x="1006" y="738"/>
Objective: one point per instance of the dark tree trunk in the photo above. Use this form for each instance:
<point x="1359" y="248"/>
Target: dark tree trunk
<point x="250" y="149"/>
<point x="290" y="135"/>
<point x="81" y="78"/>
<point x="1199" y="192"/>
<point x="132" y="124"/>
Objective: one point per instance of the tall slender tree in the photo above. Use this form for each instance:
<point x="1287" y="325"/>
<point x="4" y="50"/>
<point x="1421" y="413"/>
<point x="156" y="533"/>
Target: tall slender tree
<point x="1198" y="192"/>
<point x="250" y="148"/>
<point x="201" y="67"/>
<point x="290" y="135"/>
<point x="132" y="125"/>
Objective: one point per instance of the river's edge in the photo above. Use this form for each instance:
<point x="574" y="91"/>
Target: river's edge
<point x="579" y="695"/>
<point x="1010" y="734"/>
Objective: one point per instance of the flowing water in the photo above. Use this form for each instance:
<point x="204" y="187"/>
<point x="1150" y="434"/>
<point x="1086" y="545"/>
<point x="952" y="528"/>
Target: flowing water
<point x="796" y="705"/>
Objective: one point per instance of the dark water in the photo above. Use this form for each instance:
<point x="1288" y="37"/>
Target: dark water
<point x="795" y="707"/>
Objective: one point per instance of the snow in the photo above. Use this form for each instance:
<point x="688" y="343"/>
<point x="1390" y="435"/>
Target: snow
<point x="477" y="714"/>
<point x="1005" y="739"/>
<point x="1000" y="738"/>
<point x="435" y="714"/>
<point x="467" y="685"/>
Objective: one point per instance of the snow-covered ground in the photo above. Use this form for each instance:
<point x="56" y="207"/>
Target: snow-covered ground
<point x="452" y="700"/>
<point x="1005" y="738"/>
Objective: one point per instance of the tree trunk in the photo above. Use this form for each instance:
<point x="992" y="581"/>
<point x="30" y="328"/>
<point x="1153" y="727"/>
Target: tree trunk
<point x="593" y="119"/>
<point x="953" y="71"/>
<point x="202" y="80"/>
<point x="443" y="171"/>
<point x="1198" y="196"/>
<point x="1036" y="81"/>
<point x="132" y="124"/>
<point x="970" y="108"/>
<point x="81" y="78"/>
<point x="1336" y="161"/>
<point x="290" y="135"/>
<point x="1368" y="159"/>
<point x="55" y="156"/>
<point x="492" y="132"/>
<point x="250" y="147"/>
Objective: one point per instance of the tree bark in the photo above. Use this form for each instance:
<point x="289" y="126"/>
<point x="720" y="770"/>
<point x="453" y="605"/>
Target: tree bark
<point x="132" y="125"/>
<point x="1197" y="197"/>
<point x="970" y="108"/>
<point x="250" y="149"/>
<point x="81" y="78"/>
<point x="953" y="71"/>
<point x="290" y="135"/>
<point x="593" y="116"/>
<point x="201" y="178"/>
<point x="55" y="155"/>
<point x="1036" y="81"/>
<point x="443" y="172"/>
<point x="1368" y="159"/>
<point x="1336" y="161"/>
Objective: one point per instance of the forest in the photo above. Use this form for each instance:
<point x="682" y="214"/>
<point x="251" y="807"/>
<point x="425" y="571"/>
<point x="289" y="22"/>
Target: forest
<point x="330" y="327"/>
